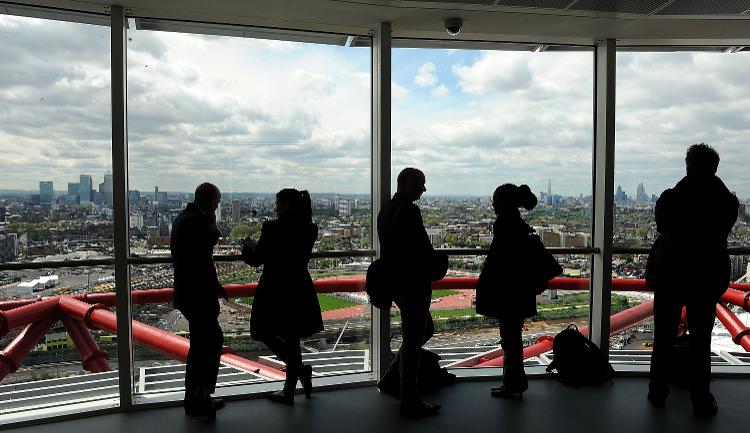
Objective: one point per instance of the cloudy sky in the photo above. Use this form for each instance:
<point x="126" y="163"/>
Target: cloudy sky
<point x="253" y="115"/>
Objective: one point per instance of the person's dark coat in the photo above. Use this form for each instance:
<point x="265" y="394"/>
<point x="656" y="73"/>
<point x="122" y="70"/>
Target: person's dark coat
<point x="504" y="290"/>
<point x="405" y="247"/>
<point x="694" y="220"/>
<point x="196" y="285"/>
<point x="285" y="302"/>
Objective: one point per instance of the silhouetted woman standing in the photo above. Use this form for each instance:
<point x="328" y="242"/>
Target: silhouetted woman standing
<point x="285" y="307"/>
<point x="504" y="290"/>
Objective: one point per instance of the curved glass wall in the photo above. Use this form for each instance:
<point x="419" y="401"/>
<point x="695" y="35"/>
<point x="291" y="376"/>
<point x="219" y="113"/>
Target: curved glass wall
<point x="472" y="120"/>
<point x="667" y="101"/>
<point x="56" y="218"/>
<point x="252" y="116"/>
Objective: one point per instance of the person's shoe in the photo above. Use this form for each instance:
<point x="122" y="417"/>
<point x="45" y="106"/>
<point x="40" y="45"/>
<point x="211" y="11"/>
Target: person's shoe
<point x="306" y="379"/>
<point x="200" y="405"/>
<point x="390" y="387"/>
<point x="503" y="392"/>
<point x="218" y="402"/>
<point x="657" y="395"/>
<point x="657" y="400"/>
<point x="704" y="406"/>
<point x="282" y="397"/>
<point x="446" y="377"/>
<point x="419" y="408"/>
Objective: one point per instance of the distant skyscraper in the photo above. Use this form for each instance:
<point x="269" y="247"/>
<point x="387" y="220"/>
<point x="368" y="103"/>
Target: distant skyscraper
<point x="640" y="195"/>
<point x="84" y="188"/>
<point x="235" y="210"/>
<point x="46" y="192"/>
<point x="344" y="207"/>
<point x="156" y="192"/>
<point x="8" y="247"/>
<point x="549" y="191"/>
<point x="620" y="196"/>
<point x="73" y="189"/>
<point x="2" y="214"/>
<point x="106" y="189"/>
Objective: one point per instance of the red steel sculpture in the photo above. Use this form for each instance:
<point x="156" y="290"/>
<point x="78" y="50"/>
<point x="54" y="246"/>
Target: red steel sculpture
<point x="82" y="312"/>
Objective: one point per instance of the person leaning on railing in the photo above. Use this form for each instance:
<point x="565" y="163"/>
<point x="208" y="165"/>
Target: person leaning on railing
<point x="285" y="306"/>
<point x="689" y="266"/>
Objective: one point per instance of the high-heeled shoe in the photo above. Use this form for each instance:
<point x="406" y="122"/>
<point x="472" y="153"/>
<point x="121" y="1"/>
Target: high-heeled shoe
<point x="504" y="392"/>
<point x="305" y="377"/>
<point x="282" y="397"/>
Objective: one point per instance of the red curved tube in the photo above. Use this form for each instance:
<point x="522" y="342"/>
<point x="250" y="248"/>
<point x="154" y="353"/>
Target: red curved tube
<point x="163" y="342"/>
<point x="739" y="332"/>
<point x="12" y="356"/>
<point x="737" y="297"/>
<point x="93" y="358"/>
<point x="617" y="323"/>
<point x="32" y="312"/>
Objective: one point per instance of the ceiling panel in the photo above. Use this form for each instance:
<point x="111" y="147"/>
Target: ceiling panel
<point x="706" y="7"/>
<point x="547" y="4"/>
<point x="461" y="2"/>
<point x="641" y="7"/>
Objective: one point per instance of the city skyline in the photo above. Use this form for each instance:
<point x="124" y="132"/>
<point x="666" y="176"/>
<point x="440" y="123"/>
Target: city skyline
<point x="634" y="197"/>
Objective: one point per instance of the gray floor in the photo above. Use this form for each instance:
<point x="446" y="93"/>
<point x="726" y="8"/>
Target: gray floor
<point x="548" y="406"/>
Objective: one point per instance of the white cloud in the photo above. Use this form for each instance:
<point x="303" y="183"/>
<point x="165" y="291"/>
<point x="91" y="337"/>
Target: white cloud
<point x="440" y="91"/>
<point x="426" y="75"/>
<point x="494" y="71"/>
<point x="398" y="92"/>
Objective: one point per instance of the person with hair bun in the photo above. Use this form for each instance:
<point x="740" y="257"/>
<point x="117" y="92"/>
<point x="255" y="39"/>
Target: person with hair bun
<point x="504" y="290"/>
<point x="285" y="307"/>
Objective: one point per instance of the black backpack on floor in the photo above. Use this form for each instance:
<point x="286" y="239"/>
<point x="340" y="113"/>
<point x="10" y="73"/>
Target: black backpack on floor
<point x="578" y="361"/>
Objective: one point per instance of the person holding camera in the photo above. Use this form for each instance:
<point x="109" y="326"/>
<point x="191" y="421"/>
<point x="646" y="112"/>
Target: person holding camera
<point x="196" y="288"/>
<point x="285" y="306"/>
<point x="507" y="287"/>
<point x="409" y="258"/>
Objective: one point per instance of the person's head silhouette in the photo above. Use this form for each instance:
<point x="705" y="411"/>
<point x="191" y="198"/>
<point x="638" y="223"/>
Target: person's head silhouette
<point x="701" y="160"/>
<point x="410" y="183"/>
<point x="509" y="196"/>
<point x="294" y="204"/>
<point x="207" y="197"/>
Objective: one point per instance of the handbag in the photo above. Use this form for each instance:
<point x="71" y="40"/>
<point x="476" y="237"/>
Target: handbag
<point x="438" y="265"/>
<point x="377" y="286"/>
<point x="544" y="265"/>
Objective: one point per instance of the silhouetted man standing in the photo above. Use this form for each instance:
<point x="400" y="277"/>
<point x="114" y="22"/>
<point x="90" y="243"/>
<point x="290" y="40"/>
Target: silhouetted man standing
<point x="690" y="267"/>
<point x="408" y="253"/>
<point x="196" y="288"/>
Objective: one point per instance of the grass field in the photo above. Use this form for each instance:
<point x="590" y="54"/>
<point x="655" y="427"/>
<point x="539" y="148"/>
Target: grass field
<point x="443" y="293"/>
<point x="327" y="302"/>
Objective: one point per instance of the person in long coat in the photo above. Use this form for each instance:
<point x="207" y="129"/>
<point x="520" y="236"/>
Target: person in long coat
<point x="689" y="266"/>
<point x="286" y="307"/>
<point x="503" y="289"/>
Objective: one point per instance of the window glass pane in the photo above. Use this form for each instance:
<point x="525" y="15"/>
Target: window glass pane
<point x="56" y="164"/>
<point x="665" y="103"/>
<point x="473" y="120"/>
<point x="55" y="205"/>
<point x="252" y="117"/>
<point x="57" y="348"/>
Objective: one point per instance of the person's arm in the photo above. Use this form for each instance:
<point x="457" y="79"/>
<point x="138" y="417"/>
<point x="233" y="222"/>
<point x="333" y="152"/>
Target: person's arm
<point x="254" y="254"/>
<point x="662" y="211"/>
